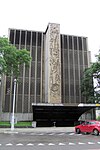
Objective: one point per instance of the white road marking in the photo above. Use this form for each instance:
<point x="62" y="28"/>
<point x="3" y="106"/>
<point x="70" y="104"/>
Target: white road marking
<point x="0" y="144"/>
<point x="51" y="134"/>
<point x="9" y="144"/>
<point x="19" y="144"/>
<point x="30" y="144"/>
<point x="91" y="143"/>
<point x="61" y="133"/>
<point x="51" y="144"/>
<point x="11" y="132"/>
<point x="98" y="142"/>
<point x="40" y="144"/>
<point x="71" y="133"/>
<point x="61" y="144"/>
<point x="80" y="143"/>
<point x="78" y="134"/>
<point x="71" y="143"/>
<point x="41" y="134"/>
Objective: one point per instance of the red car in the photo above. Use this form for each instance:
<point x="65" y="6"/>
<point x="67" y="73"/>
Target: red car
<point x="90" y="126"/>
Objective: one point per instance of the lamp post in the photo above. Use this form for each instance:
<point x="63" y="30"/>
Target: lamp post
<point x="12" y="119"/>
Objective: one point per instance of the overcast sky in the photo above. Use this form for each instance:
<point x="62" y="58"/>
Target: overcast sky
<point x="76" y="17"/>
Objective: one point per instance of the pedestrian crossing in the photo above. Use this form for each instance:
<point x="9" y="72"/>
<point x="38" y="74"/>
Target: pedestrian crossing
<point x="49" y="144"/>
<point x="48" y="133"/>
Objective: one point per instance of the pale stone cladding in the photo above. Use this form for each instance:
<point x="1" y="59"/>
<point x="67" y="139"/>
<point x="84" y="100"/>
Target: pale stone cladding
<point x="53" y="64"/>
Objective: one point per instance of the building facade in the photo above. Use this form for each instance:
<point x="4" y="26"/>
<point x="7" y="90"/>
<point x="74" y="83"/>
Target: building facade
<point x="55" y="72"/>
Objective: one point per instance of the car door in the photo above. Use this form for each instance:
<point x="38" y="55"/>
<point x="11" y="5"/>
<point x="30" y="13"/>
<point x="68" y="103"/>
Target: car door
<point x="90" y="126"/>
<point x="84" y="127"/>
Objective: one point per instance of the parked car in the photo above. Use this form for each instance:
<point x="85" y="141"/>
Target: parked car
<point x="89" y="126"/>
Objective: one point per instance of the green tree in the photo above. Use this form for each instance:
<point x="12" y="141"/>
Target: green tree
<point x="87" y="85"/>
<point x="11" y="58"/>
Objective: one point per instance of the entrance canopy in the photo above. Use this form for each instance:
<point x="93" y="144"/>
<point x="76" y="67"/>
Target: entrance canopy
<point x="58" y="114"/>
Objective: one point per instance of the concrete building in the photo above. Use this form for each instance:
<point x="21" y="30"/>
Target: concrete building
<point x="53" y="78"/>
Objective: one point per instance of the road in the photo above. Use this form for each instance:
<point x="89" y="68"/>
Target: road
<point x="48" y="140"/>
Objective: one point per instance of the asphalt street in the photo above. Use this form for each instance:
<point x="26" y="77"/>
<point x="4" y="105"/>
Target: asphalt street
<point x="47" y="138"/>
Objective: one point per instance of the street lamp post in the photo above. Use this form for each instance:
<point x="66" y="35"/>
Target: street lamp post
<point x="12" y="119"/>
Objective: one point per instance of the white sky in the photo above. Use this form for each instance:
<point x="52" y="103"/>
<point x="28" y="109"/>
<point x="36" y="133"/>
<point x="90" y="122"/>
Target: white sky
<point x="76" y="17"/>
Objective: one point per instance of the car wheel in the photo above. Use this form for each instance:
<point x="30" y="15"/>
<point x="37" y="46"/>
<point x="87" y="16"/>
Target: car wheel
<point x="78" y="131"/>
<point x="95" y="132"/>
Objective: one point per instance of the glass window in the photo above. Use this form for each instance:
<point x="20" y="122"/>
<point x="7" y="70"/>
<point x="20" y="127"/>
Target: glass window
<point x="33" y="53"/>
<point x="80" y="43"/>
<point x="38" y="87"/>
<point x="75" y="43"/>
<point x="17" y="37"/>
<point x="28" y="38"/>
<point x="84" y="44"/>
<point x="11" y="36"/>
<point x="34" y="38"/>
<point x="39" y="39"/>
<point x="70" y="42"/>
<point x="38" y="70"/>
<point x="71" y="57"/>
<point x="39" y="54"/>
<point x="23" y="38"/>
<point x="65" y="42"/>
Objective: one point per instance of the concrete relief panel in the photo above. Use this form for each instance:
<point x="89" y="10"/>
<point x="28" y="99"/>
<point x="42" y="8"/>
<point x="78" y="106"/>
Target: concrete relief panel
<point x="54" y="64"/>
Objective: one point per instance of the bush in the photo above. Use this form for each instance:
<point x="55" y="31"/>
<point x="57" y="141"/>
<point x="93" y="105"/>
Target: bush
<point x="98" y="118"/>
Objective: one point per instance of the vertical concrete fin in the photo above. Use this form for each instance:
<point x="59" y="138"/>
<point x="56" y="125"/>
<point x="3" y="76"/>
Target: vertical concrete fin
<point x="53" y="64"/>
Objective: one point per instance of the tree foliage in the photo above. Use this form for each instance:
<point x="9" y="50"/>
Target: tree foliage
<point x="11" y="58"/>
<point x="87" y="85"/>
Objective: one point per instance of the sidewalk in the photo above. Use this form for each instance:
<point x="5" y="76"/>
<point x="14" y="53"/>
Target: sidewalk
<point x="38" y="129"/>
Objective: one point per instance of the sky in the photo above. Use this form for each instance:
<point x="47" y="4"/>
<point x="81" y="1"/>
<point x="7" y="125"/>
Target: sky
<point x="76" y="17"/>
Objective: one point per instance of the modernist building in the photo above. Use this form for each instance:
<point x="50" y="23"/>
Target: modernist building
<point x="54" y="75"/>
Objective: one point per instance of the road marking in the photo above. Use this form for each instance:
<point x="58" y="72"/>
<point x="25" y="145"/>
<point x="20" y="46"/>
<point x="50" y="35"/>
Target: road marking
<point x="9" y="144"/>
<point x="51" y="134"/>
<point x="91" y="143"/>
<point x="40" y="144"/>
<point x="41" y="134"/>
<point x="80" y="143"/>
<point x="61" y="133"/>
<point x="51" y="144"/>
<point x="61" y="144"/>
<point x="71" y="133"/>
<point x="11" y="132"/>
<point x="0" y="144"/>
<point x="32" y="133"/>
<point x="98" y="142"/>
<point x="30" y="144"/>
<point x="19" y="144"/>
<point x="23" y="133"/>
<point x="78" y="134"/>
<point x="71" y="144"/>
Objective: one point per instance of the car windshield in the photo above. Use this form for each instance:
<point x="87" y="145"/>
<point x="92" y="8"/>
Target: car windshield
<point x="89" y="122"/>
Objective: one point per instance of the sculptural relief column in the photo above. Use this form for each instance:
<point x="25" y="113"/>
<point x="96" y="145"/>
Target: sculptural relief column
<point x="53" y="64"/>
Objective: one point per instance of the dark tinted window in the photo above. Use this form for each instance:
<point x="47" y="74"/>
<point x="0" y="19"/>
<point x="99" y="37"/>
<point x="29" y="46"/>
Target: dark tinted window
<point x="28" y="38"/>
<point x="39" y="39"/>
<point x="65" y="42"/>
<point x="80" y="43"/>
<point x="34" y="38"/>
<point x="23" y="38"/>
<point x="17" y="37"/>
<point x="75" y="43"/>
<point x="70" y="42"/>
<point x="12" y="36"/>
